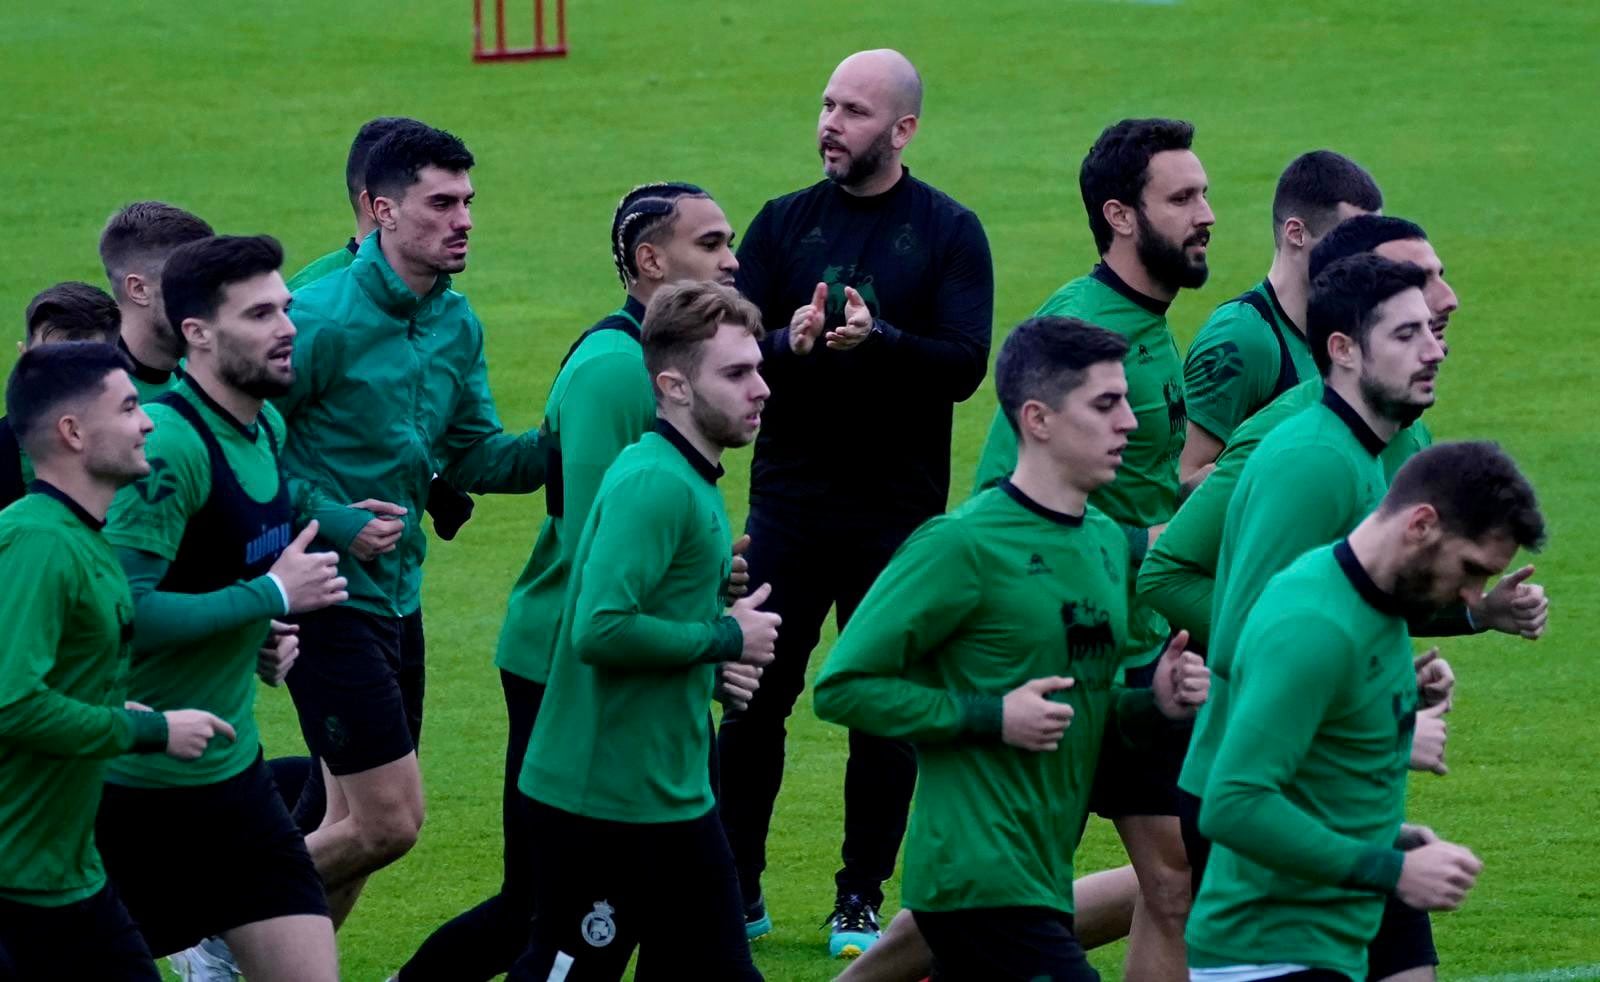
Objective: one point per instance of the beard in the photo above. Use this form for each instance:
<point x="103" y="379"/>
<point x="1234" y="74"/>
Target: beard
<point x="255" y="379"/>
<point x="867" y="164"/>
<point x="1414" y="587"/>
<point x="1166" y="261"/>
<point x="723" y="429"/>
<point x="1392" y="405"/>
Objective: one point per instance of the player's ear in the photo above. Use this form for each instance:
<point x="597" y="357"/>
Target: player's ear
<point x="673" y="387"/>
<point x="196" y="333"/>
<point x="904" y="129"/>
<point x="1119" y="216"/>
<point x="136" y="288"/>
<point x="1422" y="524"/>
<point x="69" y="431"/>
<point x="384" y="212"/>
<point x="364" y="205"/>
<point x="1294" y="233"/>
<point x="647" y="260"/>
<point x="1033" y="418"/>
<point x="1342" y="350"/>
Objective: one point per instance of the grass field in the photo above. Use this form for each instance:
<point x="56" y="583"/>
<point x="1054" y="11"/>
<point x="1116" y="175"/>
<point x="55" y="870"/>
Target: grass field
<point x="1474" y="116"/>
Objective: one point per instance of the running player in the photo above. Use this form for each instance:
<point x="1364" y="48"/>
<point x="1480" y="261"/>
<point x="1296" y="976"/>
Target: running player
<point x="69" y="617"/>
<point x="630" y="851"/>
<point x="1306" y="793"/>
<point x="133" y="247"/>
<point x="959" y="647"/>
<point x="205" y="541"/>
<point x="599" y="403"/>
<point x="390" y="388"/>
<point x="64" y="312"/>
<point x="1253" y="349"/>
<point x="1145" y="193"/>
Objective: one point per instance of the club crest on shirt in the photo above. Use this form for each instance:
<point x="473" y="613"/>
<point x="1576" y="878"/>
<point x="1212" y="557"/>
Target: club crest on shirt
<point x="1089" y="633"/>
<point x="905" y="240"/>
<point x="839" y="277"/>
<point x="158" y="485"/>
<point x="598" y="929"/>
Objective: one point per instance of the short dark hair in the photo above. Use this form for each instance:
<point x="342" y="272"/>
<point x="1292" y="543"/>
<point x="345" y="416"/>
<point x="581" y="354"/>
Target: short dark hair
<point x="139" y="237"/>
<point x="370" y="134"/>
<point x="1313" y="186"/>
<point x="1358" y="234"/>
<point x="1118" y="166"/>
<point x="1475" y="487"/>
<point x="681" y="317"/>
<point x="1044" y="358"/>
<point x="645" y="214"/>
<point x="1345" y="299"/>
<point x="73" y="311"/>
<point x="47" y="377"/>
<point x="397" y="158"/>
<point x="197" y="274"/>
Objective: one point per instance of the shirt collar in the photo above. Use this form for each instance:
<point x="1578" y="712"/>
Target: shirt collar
<point x="705" y="468"/>
<point x="1277" y="307"/>
<point x="1059" y="517"/>
<point x="1384" y="603"/>
<point x="872" y="201"/>
<point x="204" y="398"/>
<point x="353" y="246"/>
<point x="1370" y="441"/>
<point x="380" y="282"/>
<point x="141" y="371"/>
<point x="632" y="307"/>
<point x="1105" y="274"/>
<point x="51" y="491"/>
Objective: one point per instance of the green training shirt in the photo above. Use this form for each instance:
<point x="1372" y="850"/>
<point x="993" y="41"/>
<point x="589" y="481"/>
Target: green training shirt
<point x="1308" y="789"/>
<point x="196" y="649"/>
<point x="997" y="593"/>
<point x="599" y="404"/>
<point x="1145" y="492"/>
<point x="1242" y="360"/>
<point x="323" y="265"/>
<point x="1312" y="480"/>
<point x="1178" y="575"/>
<point x="622" y="734"/>
<point x="63" y="668"/>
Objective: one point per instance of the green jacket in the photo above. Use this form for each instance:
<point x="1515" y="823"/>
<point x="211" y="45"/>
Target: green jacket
<point x="390" y="389"/>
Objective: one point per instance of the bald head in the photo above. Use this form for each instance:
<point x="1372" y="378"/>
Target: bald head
<point x="885" y="73"/>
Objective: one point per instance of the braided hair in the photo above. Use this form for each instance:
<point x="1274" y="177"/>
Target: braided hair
<point x="641" y="211"/>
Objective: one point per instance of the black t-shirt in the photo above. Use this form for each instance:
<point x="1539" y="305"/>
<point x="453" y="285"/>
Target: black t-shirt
<point x="869" y="428"/>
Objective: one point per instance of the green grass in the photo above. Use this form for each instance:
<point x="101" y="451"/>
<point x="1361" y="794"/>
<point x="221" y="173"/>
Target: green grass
<point x="1475" y="116"/>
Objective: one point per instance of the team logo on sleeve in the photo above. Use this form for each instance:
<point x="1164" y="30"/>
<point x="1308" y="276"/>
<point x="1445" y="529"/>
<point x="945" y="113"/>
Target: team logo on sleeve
<point x="598" y="929"/>
<point x="159" y="484"/>
<point x="1177" y="412"/>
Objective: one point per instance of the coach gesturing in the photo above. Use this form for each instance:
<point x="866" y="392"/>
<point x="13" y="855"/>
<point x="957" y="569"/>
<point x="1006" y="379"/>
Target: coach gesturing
<point x="878" y="293"/>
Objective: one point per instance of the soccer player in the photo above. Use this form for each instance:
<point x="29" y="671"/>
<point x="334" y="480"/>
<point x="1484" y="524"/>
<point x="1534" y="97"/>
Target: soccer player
<point x="390" y="387"/>
<point x="133" y="247"/>
<point x="65" y="312"/>
<point x="1178" y="575"/>
<point x="205" y="539"/>
<point x="884" y="289"/>
<point x="355" y="182"/>
<point x="1307" y="790"/>
<point x="69" y="622"/>
<point x="993" y="641"/>
<point x="1145" y="193"/>
<point x="600" y="403"/>
<point x="630" y="851"/>
<point x="1253" y="349"/>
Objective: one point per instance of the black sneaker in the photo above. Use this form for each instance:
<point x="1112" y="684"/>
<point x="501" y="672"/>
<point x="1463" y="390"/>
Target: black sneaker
<point x="853" y="927"/>
<point x="757" y="923"/>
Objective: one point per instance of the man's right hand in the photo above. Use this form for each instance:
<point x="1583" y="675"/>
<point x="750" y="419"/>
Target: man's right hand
<point x="1427" y="741"/>
<point x="1437" y="876"/>
<point x="760" y="627"/>
<point x="1029" y="720"/>
<point x="807" y="323"/>
<point x="310" y="579"/>
<point x="189" y="731"/>
<point x="381" y="534"/>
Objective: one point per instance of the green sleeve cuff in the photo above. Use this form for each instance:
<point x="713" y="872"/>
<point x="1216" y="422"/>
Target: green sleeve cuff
<point x="1452" y="622"/>
<point x="340" y="524"/>
<point x="1377" y="868"/>
<point x="981" y="714"/>
<point x="729" y="643"/>
<point x="149" y="731"/>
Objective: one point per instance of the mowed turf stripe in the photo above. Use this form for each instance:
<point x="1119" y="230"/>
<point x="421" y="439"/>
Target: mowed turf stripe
<point x="1576" y="973"/>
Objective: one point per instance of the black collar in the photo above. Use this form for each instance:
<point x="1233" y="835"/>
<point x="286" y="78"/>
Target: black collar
<point x="1383" y="603"/>
<point x="1370" y="441"/>
<point x="873" y="201"/>
<point x="632" y="307"/>
<point x="192" y="385"/>
<point x="1109" y="277"/>
<point x="141" y="371"/>
<point x="1059" y="517"/>
<point x="1277" y="307"/>
<point x="705" y="468"/>
<point x="50" y="490"/>
<point x="353" y="246"/>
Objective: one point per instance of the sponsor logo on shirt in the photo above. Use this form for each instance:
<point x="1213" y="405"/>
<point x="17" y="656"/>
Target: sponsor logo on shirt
<point x="1088" y="630"/>
<point x="269" y="543"/>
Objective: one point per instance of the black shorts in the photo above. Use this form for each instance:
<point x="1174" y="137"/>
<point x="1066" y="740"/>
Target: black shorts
<point x="193" y="862"/>
<point x="1140" y="780"/>
<point x="1004" y="944"/>
<point x="91" y="939"/>
<point x="358" y="686"/>
<point x="603" y="888"/>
